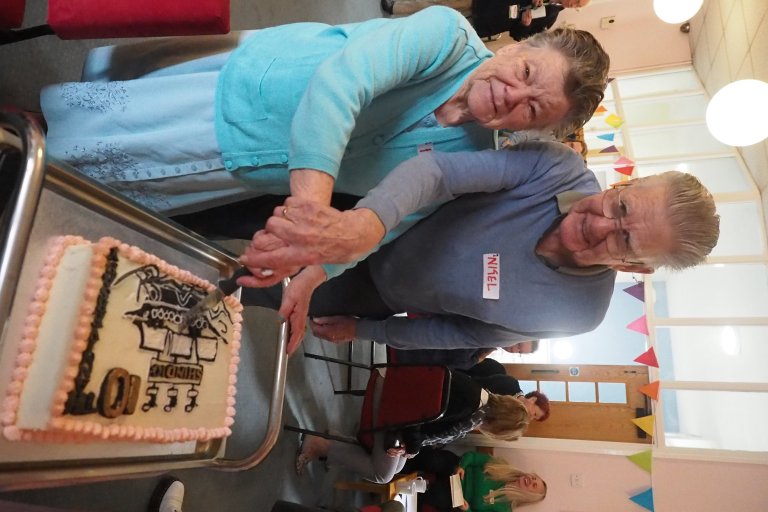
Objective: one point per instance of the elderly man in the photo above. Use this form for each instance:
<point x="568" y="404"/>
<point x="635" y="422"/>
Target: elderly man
<point x="535" y="256"/>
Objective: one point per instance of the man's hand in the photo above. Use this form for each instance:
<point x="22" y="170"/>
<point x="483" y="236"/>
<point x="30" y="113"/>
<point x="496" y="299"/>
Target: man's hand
<point x="336" y="329"/>
<point x="460" y="472"/>
<point x="295" y="305"/>
<point x="465" y="506"/>
<point x="304" y="233"/>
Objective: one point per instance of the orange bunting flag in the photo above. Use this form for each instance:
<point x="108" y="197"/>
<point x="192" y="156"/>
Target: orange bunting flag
<point x="601" y="110"/>
<point x="609" y="149"/>
<point x="640" y="325"/>
<point x="626" y="171"/>
<point x="651" y="390"/>
<point x="648" y="358"/>
<point x="623" y="161"/>
<point x="642" y="459"/>
<point x="645" y="424"/>
<point x="614" y="120"/>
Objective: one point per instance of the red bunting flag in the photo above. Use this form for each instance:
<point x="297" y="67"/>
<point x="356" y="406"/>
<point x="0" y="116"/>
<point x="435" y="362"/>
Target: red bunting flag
<point x="626" y="171"/>
<point x="640" y="325"/>
<point x="609" y="149"/>
<point x="648" y="358"/>
<point x="651" y="390"/>
<point x="622" y="161"/>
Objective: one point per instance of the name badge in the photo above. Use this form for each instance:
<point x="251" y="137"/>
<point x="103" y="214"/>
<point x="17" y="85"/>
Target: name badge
<point x="491" y="276"/>
<point x="513" y="12"/>
<point x="424" y="148"/>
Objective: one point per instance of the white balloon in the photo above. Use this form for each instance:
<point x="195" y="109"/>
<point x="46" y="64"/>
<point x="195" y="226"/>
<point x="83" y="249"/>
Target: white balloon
<point x="737" y="114"/>
<point x="676" y="11"/>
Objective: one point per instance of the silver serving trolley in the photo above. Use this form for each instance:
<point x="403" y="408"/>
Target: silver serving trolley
<point x="47" y="200"/>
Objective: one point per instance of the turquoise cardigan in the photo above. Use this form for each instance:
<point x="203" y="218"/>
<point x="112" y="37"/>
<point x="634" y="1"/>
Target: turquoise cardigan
<point x="347" y="95"/>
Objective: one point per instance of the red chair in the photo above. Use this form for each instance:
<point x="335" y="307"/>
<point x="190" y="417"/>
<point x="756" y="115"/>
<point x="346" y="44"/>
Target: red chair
<point x="400" y="407"/>
<point x="96" y="19"/>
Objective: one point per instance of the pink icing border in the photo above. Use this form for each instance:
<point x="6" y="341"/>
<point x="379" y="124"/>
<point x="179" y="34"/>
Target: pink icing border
<point x="65" y="429"/>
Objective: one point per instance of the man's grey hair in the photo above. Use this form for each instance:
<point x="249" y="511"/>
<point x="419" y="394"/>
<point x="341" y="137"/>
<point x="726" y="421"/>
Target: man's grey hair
<point x="587" y="77"/>
<point x="692" y="216"/>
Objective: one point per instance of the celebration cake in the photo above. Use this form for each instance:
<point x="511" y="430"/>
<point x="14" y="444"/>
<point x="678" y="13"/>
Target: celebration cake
<point x="105" y="355"/>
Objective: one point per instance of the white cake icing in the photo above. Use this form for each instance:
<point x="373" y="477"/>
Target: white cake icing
<point x="105" y="355"/>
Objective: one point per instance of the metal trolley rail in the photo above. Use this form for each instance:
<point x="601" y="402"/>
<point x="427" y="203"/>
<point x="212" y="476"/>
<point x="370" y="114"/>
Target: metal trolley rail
<point x="48" y="200"/>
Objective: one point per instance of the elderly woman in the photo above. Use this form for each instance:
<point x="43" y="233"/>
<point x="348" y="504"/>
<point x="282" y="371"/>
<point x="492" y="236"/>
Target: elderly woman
<point x="470" y="406"/>
<point x="337" y="106"/>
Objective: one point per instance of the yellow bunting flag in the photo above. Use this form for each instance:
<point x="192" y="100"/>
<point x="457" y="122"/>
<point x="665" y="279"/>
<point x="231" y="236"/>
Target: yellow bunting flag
<point x="651" y="390"/>
<point x="642" y="459"/>
<point x="645" y="423"/>
<point x="614" y="120"/>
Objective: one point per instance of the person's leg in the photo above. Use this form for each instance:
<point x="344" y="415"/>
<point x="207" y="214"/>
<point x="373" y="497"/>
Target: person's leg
<point x="376" y="466"/>
<point x="243" y="218"/>
<point x="351" y="293"/>
<point x="442" y="463"/>
<point x="168" y="496"/>
<point x="401" y="7"/>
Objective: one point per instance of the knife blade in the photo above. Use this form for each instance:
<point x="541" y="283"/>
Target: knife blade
<point x="224" y="287"/>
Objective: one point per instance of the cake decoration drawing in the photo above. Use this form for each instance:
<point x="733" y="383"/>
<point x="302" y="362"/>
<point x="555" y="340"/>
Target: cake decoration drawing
<point x="129" y="367"/>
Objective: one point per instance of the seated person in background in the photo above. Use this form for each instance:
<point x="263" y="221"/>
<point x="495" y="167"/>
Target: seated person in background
<point x="489" y="484"/>
<point x="576" y="142"/>
<point x="169" y="497"/>
<point x="470" y="407"/>
<point x="537" y="258"/>
<point x="458" y="358"/>
<point x="491" y="17"/>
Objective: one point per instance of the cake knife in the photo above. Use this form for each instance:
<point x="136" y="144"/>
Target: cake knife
<point x="224" y="287"/>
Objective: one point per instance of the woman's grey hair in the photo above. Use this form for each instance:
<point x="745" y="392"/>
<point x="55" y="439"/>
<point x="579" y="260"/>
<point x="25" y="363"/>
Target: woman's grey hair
<point x="692" y="216"/>
<point x="587" y="77"/>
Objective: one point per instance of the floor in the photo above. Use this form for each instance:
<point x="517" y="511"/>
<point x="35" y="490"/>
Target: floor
<point x="29" y="65"/>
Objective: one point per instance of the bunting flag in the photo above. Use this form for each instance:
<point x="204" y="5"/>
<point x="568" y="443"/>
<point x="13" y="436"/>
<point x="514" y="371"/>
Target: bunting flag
<point x="601" y="110"/>
<point x="623" y="161"/>
<point x="648" y="358"/>
<point x="644" y="499"/>
<point x="651" y="390"/>
<point x="611" y="79"/>
<point x="645" y="423"/>
<point x="642" y="459"/>
<point x="640" y="325"/>
<point x="607" y="136"/>
<point x="614" y="120"/>
<point x="637" y="291"/>
<point x="626" y="171"/>
<point x="609" y="149"/>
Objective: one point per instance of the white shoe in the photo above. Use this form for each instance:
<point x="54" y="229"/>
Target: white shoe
<point x="168" y="497"/>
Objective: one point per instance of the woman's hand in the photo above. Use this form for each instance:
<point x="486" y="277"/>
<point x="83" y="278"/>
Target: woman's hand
<point x="336" y="329"/>
<point x="301" y="233"/>
<point x="460" y="472"/>
<point x="464" y="506"/>
<point x="396" y="452"/>
<point x="295" y="305"/>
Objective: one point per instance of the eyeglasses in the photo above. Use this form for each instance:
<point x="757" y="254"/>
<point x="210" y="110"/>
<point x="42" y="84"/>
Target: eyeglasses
<point x="617" y="242"/>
